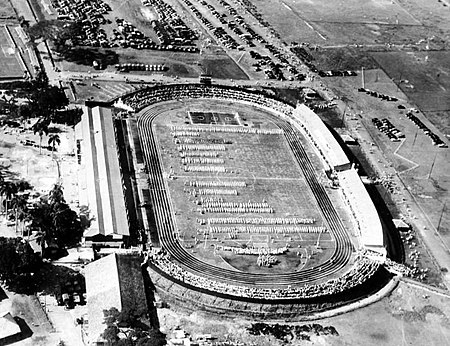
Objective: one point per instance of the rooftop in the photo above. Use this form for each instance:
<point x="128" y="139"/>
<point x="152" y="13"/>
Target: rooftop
<point x="113" y="281"/>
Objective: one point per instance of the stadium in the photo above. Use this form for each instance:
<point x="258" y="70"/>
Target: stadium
<point x="246" y="197"/>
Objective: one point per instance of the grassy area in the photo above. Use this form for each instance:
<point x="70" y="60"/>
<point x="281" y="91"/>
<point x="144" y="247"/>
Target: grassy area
<point x="322" y="22"/>
<point x="424" y="77"/>
<point x="345" y="58"/>
<point x="280" y="183"/>
<point x="6" y="10"/>
<point x="10" y="65"/>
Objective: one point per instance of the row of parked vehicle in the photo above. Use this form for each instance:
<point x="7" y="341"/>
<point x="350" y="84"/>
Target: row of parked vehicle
<point x="385" y="126"/>
<point x="335" y="73"/>
<point x="434" y="137"/>
<point x="169" y="27"/>
<point x="377" y="94"/>
<point x="139" y="67"/>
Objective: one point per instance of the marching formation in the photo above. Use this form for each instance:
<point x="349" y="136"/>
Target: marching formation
<point x="260" y="220"/>
<point x="235" y="210"/>
<point x="226" y="129"/>
<point x="206" y="183"/>
<point x="252" y="250"/>
<point x="202" y="161"/>
<point x="216" y="192"/>
<point x="201" y="147"/>
<point x="210" y="169"/>
<point x="263" y="230"/>
<point x="188" y="133"/>
<point x="184" y="154"/>
<point x="196" y="140"/>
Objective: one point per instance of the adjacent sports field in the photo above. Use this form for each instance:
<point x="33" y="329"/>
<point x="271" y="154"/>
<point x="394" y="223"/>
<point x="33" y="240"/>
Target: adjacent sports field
<point x="6" y="10"/>
<point x="10" y="66"/>
<point x="343" y="22"/>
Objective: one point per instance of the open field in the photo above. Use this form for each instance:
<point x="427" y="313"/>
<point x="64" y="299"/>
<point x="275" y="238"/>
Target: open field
<point x="6" y="10"/>
<point x="10" y="66"/>
<point x="425" y="78"/>
<point x="346" y="22"/>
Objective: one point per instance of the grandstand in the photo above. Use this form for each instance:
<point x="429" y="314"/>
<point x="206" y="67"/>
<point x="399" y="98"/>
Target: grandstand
<point x="100" y="179"/>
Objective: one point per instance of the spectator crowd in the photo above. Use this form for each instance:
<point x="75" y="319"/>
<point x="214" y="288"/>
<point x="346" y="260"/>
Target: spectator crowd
<point x="362" y="270"/>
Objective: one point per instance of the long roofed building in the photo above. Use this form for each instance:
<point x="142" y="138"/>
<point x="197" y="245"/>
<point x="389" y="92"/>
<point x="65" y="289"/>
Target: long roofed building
<point x="100" y="179"/>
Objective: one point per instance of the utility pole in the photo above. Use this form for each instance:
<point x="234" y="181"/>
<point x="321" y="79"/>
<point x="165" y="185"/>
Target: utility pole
<point x="440" y="218"/>
<point x="432" y="166"/>
<point x="415" y="137"/>
<point x="343" y="114"/>
<point x="362" y="77"/>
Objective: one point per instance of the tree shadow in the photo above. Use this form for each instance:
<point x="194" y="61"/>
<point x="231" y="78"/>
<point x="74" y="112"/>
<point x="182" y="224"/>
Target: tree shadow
<point x="3" y="295"/>
<point x="86" y="56"/>
<point x="54" y="129"/>
<point x="150" y="288"/>
<point x="54" y="279"/>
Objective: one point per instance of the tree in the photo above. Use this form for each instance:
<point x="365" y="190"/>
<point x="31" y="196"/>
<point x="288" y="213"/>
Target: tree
<point x="20" y="204"/>
<point x="54" y="221"/>
<point x="11" y="190"/>
<point x="56" y="195"/>
<point x="69" y="117"/>
<point x="17" y="259"/>
<point x="131" y="328"/>
<point x="111" y="334"/>
<point x="54" y="140"/>
<point x="8" y="189"/>
<point x="67" y="225"/>
<point x="45" y="100"/>
<point x="23" y="185"/>
<point x="41" y="80"/>
<point x="2" y="180"/>
<point x="41" y="128"/>
<point x="154" y="337"/>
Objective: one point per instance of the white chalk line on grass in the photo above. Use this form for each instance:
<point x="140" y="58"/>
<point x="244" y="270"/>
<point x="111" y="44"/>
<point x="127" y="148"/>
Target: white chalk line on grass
<point x="415" y="165"/>
<point x="8" y="51"/>
<point x="304" y="21"/>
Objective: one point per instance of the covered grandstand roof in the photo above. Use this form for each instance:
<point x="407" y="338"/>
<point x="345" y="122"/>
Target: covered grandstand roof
<point x="323" y="137"/>
<point x="363" y="209"/>
<point x="101" y="184"/>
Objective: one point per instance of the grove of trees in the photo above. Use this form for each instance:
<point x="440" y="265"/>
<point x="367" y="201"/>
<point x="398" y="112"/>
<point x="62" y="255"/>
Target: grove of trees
<point x="61" y="35"/>
<point x="51" y="218"/>
<point x="54" y="221"/>
<point x="124" y="329"/>
<point x="48" y="103"/>
<point x="18" y="262"/>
